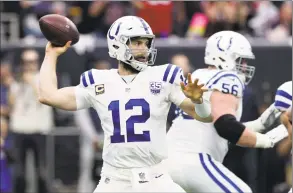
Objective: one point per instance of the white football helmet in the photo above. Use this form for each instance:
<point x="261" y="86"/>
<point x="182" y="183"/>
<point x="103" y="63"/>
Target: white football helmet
<point x="227" y="50"/>
<point x="119" y="36"/>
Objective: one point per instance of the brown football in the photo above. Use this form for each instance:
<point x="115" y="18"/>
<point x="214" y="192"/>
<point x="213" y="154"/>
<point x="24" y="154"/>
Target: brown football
<point x="58" y="29"/>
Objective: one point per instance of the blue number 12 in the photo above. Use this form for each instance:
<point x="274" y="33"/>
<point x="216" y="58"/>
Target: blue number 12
<point x="117" y="137"/>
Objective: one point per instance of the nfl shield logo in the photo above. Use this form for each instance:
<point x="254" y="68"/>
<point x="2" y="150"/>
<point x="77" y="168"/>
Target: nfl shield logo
<point x="141" y="175"/>
<point x="155" y="87"/>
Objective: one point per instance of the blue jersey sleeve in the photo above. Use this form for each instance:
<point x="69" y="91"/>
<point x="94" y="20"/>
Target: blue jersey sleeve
<point x="82" y="91"/>
<point x="87" y="78"/>
<point x="174" y="75"/>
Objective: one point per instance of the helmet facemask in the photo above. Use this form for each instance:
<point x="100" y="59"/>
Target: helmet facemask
<point x="243" y="69"/>
<point x="139" y="59"/>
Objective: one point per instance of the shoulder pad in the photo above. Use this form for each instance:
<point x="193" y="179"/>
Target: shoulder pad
<point x="87" y="78"/>
<point x="227" y="82"/>
<point x="172" y="73"/>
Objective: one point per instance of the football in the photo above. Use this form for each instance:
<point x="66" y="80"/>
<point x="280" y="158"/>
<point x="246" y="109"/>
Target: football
<point x="58" y="29"/>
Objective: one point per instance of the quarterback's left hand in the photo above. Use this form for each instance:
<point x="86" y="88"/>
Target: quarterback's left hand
<point x="192" y="90"/>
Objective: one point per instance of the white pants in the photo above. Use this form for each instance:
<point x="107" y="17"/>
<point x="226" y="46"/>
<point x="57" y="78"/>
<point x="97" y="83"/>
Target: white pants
<point x="290" y="191"/>
<point x="153" y="179"/>
<point x="201" y="173"/>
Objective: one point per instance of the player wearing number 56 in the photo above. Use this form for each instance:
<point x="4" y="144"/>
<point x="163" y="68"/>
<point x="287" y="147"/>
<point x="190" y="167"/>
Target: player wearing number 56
<point x="196" y="155"/>
<point x="132" y="103"/>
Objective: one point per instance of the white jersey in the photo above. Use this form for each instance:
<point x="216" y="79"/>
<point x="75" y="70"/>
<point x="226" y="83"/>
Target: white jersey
<point x="191" y="136"/>
<point x="283" y="98"/>
<point x="133" y="116"/>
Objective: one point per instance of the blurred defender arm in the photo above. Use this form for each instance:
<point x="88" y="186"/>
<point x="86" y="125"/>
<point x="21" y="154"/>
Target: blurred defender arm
<point x="285" y="146"/>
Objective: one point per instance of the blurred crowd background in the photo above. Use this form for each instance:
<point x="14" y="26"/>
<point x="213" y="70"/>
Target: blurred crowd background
<point x="49" y="150"/>
<point x="190" y="19"/>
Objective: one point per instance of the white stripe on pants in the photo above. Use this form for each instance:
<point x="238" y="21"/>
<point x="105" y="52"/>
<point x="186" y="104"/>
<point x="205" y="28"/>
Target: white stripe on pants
<point x="201" y="173"/>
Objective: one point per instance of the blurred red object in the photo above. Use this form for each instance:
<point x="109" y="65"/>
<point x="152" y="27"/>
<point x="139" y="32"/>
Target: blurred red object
<point x="158" y="14"/>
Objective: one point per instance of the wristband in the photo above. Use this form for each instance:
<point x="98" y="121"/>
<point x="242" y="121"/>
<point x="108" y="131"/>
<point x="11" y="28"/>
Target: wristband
<point x="204" y="109"/>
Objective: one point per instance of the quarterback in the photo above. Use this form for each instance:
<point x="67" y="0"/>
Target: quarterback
<point x="132" y="103"/>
